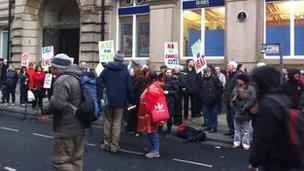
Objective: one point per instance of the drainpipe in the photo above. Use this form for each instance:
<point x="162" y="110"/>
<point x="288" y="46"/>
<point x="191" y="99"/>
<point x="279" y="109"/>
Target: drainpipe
<point x="10" y="6"/>
<point x="103" y="23"/>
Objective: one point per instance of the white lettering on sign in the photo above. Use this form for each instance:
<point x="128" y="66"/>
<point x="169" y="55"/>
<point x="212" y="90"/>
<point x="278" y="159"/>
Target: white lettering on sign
<point x="202" y="2"/>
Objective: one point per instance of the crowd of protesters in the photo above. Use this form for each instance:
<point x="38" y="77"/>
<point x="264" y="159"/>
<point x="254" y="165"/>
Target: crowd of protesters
<point x="253" y="116"/>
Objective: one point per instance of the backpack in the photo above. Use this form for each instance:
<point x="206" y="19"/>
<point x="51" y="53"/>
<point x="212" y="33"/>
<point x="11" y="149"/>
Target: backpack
<point x="89" y="110"/>
<point x="295" y="124"/>
<point x="190" y="134"/>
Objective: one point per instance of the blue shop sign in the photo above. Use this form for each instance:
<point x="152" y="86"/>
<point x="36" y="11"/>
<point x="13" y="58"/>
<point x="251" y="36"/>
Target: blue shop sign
<point x="133" y="10"/>
<point x="202" y="4"/>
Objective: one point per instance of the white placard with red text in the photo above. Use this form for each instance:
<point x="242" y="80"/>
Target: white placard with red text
<point x="198" y="56"/>
<point x="171" y="54"/>
<point x="47" y="55"/>
<point x="25" y="59"/>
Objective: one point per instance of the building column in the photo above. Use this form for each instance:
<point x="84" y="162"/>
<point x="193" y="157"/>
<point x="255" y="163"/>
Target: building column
<point x="243" y="39"/>
<point x="164" y="27"/>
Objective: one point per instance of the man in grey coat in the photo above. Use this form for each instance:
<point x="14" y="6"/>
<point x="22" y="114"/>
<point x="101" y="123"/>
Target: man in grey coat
<point x="68" y="147"/>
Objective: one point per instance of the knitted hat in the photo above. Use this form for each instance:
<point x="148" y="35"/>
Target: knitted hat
<point x="61" y="61"/>
<point x="119" y="56"/>
<point x="232" y="63"/>
<point x="207" y="69"/>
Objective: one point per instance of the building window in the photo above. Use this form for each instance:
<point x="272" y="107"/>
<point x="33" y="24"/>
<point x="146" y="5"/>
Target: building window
<point x="134" y="29"/>
<point x="4" y="49"/>
<point x="285" y="25"/>
<point x="206" y="24"/>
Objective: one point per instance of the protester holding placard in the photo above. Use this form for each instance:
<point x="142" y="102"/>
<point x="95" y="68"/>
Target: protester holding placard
<point x="38" y="87"/>
<point x="24" y="78"/>
<point x="10" y="84"/>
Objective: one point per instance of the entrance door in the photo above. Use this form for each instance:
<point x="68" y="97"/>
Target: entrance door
<point x="69" y="43"/>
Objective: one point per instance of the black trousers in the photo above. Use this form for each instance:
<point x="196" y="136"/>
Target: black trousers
<point x="194" y="109"/>
<point x="178" y="107"/>
<point x="39" y="94"/>
<point x="10" y="90"/>
<point x="170" y="103"/>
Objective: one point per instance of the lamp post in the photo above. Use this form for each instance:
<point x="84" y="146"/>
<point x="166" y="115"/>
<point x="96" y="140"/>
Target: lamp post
<point x="10" y="6"/>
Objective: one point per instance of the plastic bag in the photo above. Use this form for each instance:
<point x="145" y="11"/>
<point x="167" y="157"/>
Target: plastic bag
<point x="30" y="96"/>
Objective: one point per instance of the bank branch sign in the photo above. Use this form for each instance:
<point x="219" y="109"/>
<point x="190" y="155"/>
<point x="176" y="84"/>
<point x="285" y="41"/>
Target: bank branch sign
<point x="270" y="49"/>
<point x="171" y="54"/>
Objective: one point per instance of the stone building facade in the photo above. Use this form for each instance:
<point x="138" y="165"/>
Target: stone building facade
<point x="141" y="27"/>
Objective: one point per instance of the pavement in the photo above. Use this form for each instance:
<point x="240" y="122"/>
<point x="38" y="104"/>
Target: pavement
<point x="195" y="123"/>
<point x="27" y="146"/>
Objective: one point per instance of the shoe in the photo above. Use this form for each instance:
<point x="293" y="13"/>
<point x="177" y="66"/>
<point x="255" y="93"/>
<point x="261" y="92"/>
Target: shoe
<point x="152" y="155"/>
<point x="105" y="147"/>
<point x="228" y="133"/>
<point x="22" y="105"/>
<point x="6" y="104"/>
<point x="13" y="104"/>
<point x="212" y="130"/>
<point x="168" y="133"/>
<point x="235" y="146"/>
<point x="115" y="149"/>
<point x="34" y="108"/>
<point x="246" y="147"/>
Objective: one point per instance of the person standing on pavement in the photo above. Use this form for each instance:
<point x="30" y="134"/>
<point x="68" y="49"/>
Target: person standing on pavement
<point x="271" y="148"/>
<point x="162" y="74"/>
<point x="178" y="107"/>
<point x="23" y="77"/>
<point x="243" y="99"/>
<point x="38" y="81"/>
<point x="3" y="69"/>
<point x="118" y="93"/>
<point x="230" y="85"/>
<point x="284" y="75"/>
<point x="170" y="90"/>
<point x="293" y="87"/>
<point x="211" y="90"/>
<point x="220" y="75"/>
<point x="191" y="90"/>
<point x="10" y="84"/>
<point x="68" y="149"/>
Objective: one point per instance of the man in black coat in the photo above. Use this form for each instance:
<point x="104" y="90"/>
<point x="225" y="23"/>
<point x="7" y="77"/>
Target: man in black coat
<point x="271" y="148"/>
<point x="191" y="90"/>
<point x="3" y="69"/>
<point x="178" y="117"/>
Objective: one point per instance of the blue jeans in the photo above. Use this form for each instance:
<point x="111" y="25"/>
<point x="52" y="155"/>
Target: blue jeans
<point x="230" y="117"/>
<point x="23" y="94"/>
<point x="154" y="140"/>
<point x="210" y="116"/>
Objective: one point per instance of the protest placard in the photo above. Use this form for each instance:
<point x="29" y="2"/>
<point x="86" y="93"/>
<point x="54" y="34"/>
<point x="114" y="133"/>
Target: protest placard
<point x="47" y="53"/>
<point x="106" y="51"/>
<point x="25" y="59"/>
<point x="171" y="54"/>
<point x="198" y="56"/>
<point x="48" y="81"/>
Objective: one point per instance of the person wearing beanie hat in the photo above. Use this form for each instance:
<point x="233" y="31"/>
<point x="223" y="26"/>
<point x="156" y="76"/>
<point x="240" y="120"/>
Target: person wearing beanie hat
<point x="230" y="85"/>
<point x="119" y="93"/>
<point x="119" y="56"/>
<point x="271" y="148"/>
<point x="68" y="130"/>
<point x="244" y="97"/>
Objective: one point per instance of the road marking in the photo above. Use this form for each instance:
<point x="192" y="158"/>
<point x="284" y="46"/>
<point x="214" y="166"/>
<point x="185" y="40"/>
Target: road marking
<point x="93" y="145"/>
<point x="10" y="169"/>
<point x="9" y="129"/>
<point x="41" y="135"/>
<point x="132" y="152"/>
<point x="191" y="162"/>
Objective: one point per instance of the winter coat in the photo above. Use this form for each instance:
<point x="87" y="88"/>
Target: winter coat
<point x="145" y="122"/>
<point x="211" y="90"/>
<point x="3" y="70"/>
<point x="293" y="88"/>
<point x="171" y="85"/>
<point x="242" y="100"/>
<point x="271" y="148"/>
<point x="182" y="81"/>
<point x="38" y="80"/>
<point x="118" y="84"/>
<point x="66" y="91"/>
<point x="23" y="77"/>
<point x="11" y="78"/>
<point x="192" y="79"/>
<point x="31" y="74"/>
<point x="230" y="85"/>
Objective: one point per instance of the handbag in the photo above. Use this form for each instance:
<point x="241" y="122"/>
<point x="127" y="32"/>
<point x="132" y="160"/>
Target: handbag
<point x="30" y="96"/>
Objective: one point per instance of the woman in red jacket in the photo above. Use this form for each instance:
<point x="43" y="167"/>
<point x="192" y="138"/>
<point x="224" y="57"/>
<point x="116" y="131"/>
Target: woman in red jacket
<point x="38" y="81"/>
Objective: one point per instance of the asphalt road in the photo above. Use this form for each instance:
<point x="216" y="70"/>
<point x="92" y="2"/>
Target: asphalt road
<point x="27" y="146"/>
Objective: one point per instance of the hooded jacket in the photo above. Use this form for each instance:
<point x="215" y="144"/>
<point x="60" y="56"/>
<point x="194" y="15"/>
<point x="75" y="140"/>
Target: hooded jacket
<point x="66" y="90"/>
<point x="270" y="147"/>
<point x="293" y="88"/>
<point x="118" y="84"/>
<point x="11" y="77"/>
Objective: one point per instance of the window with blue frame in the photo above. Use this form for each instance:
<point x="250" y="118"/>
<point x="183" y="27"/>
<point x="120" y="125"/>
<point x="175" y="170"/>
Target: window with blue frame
<point x="138" y="11"/>
<point x="285" y="25"/>
<point x="209" y="19"/>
